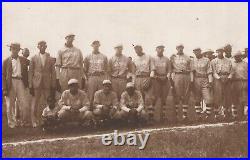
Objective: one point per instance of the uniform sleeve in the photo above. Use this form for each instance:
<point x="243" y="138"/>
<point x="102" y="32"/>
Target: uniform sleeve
<point x="215" y="74"/>
<point x="141" y="103"/>
<point x="62" y="101"/>
<point x="123" y="103"/>
<point x="81" y="64"/>
<point x="110" y="67"/>
<point x="231" y="72"/>
<point x="106" y="67"/>
<point x="97" y="100"/>
<point x="58" y="64"/>
<point x="44" y="114"/>
<point x="85" y="103"/>
<point x="115" y="100"/>
<point x="86" y="65"/>
<point x="169" y="68"/>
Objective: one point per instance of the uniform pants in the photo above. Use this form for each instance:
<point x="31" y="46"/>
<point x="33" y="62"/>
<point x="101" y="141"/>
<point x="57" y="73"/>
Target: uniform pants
<point x="239" y="97"/>
<point x="94" y="84"/>
<point x="119" y="85"/>
<point x="142" y="116"/>
<point x="181" y="83"/>
<point x="38" y="103"/>
<point x="160" y="91"/>
<point x="17" y="94"/>
<point x="202" y="91"/>
<point x="66" y="115"/>
<point x="66" y="74"/>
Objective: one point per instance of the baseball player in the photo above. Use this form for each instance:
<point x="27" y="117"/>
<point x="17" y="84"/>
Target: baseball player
<point x="222" y="73"/>
<point x="69" y="64"/>
<point x="181" y="77"/>
<point x="143" y="77"/>
<point x="132" y="105"/>
<point x="74" y="104"/>
<point x="106" y="103"/>
<point x="120" y="69"/>
<point x="202" y="79"/>
<point x="239" y="86"/>
<point x="96" y="68"/>
<point x="160" y="84"/>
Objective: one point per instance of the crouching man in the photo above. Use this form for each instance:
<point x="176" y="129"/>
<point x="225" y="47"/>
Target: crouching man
<point x="132" y="105"/>
<point x="106" y="103"/>
<point x="74" y="104"/>
<point x="50" y="114"/>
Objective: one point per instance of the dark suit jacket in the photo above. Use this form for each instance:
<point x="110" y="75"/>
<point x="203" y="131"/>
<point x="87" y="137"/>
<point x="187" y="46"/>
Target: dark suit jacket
<point x="7" y="72"/>
<point x="42" y="76"/>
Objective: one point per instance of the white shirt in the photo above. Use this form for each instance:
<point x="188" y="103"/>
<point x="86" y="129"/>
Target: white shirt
<point x="43" y="58"/>
<point x="16" y="68"/>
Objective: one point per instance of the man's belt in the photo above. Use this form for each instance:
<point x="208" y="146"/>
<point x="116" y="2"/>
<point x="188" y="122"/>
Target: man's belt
<point x="18" y="78"/>
<point x="142" y="76"/>
<point x="199" y="75"/>
<point x="183" y="72"/>
<point x="223" y="74"/>
<point x="240" y="80"/>
<point x="118" y="77"/>
<point x="96" y="74"/>
<point x="73" y="68"/>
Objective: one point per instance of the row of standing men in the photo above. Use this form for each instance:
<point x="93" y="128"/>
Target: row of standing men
<point x="211" y="80"/>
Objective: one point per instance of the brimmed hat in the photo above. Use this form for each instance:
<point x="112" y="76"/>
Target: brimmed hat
<point x="220" y="49"/>
<point x="73" y="81"/>
<point x="137" y="46"/>
<point x="208" y="51"/>
<point x="196" y="49"/>
<point x="180" y="45"/>
<point x="118" y="46"/>
<point x="130" y="85"/>
<point x="106" y="81"/>
<point x="95" y="43"/>
<point x="238" y="53"/>
<point x="160" y="46"/>
<point x="70" y="35"/>
<point x="15" y="45"/>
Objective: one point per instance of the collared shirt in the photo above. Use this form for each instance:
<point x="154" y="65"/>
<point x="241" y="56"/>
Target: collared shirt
<point x="245" y="59"/>
<point x="180" y="63"/>
<point x="143" y="65"/>
<point x="75" y="101"/>
<point x="162" y="65"/>
<point x="222" y="66"/>
<point x="16" y="67"/>
<point x="69" y="57"/>
<point x="120" y="66"/>
<point x="201" y="66"/>
<point x="100" y="98"/>
<point x="129" y="102"/>
<point x="240" y="70"/>
<point x="96" y="63"/>
<point x="43" y="58"/>
<point x="50" y="112"/>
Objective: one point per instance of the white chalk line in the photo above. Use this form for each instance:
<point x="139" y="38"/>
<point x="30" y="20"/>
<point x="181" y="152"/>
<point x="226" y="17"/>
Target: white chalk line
<point x="165" y="129"/>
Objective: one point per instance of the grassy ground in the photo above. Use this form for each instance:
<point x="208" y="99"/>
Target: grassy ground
<point x="225" y="141"/>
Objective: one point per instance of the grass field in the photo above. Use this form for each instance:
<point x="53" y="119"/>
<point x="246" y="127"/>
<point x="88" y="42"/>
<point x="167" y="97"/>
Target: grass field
<point x="209" y="141"/>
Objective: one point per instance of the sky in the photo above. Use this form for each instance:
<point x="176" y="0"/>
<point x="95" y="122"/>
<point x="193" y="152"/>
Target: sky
<point x="205" y="25"/>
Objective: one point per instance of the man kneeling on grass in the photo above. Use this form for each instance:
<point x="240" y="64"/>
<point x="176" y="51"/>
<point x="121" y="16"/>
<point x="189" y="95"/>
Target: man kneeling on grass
<point x="50" y="114"/>
<point x="74" y="104"/>
<point x="106" y="104"/>
<point x="132" y="105"/>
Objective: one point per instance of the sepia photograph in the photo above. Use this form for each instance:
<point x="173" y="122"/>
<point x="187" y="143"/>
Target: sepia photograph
<point x="124" y="79"/>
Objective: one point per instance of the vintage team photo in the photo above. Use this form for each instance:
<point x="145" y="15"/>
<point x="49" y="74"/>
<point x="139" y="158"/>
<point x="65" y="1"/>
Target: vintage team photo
<point x="125" y="79"/>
